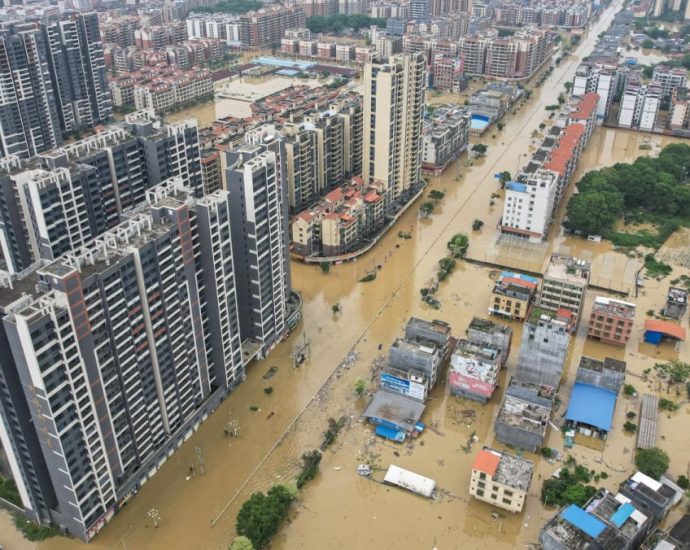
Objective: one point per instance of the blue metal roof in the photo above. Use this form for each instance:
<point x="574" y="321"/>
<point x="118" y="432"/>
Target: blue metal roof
<point x="583" y="521"/>
<point x="622" y="514"/>
<point x="591" y="405"/>
<point x="516" y="186"/>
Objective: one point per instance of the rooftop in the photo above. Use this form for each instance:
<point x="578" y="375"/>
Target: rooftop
<point x="523" y="414"/>
<point x="591" y="405"/>
<point x="671" y="330"/>
<point x="394" y="408"/>
<point x="677" y="295"/>
<point x="597" y="365"/>
<point x="510" y="470"/>
<point x="567" y="269"/>
<point x="613" y="307"/>
<point x="488" y="326"/>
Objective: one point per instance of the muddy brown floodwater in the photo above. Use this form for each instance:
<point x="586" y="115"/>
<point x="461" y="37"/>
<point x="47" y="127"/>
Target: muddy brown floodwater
<point x="339" y="509"/>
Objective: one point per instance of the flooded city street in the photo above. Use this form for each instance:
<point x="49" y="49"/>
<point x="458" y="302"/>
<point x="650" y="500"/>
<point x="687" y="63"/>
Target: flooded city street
<point x="339" y="509"/>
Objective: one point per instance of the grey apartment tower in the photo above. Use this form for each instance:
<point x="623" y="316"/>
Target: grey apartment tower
<point x="111" y="355"/>
<point x="257" y="184"/>
<point x="53" y="81"/>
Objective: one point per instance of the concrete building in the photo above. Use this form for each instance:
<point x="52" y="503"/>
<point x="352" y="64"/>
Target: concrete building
<point x="387" y="45"/>
<point x="564" y="284"/>
<point x="29" y="122"/>
<point x="211" y="171"/>
<point x="124" y="367"/>
<point x="77" y="67"/>
<point x="256" y="182"/>
<point x="392" y="136"/>
<point x="676" y="303"/>
<point x="600" y="78"/>
<point x="416" y="355"/>
<point x="524" y="415"/>
<point x="530" y="204"/>
<point x="543" y="352"/>
<point x="73" y="194"/>
<point x="679" y="115"/>
<point x="640" y="105"/>
<point x="655" y="498"/>
<point x="445" y="137"/>
<point x="512" y="295"/>
<point x="607" y="521"/>
<point x="474" y="370"/>
<point x="611" y="321"/>
<point x="485" y="331"/>
<point x="501" y="479"/>
<point x="436" y="332"/>
<point x="265" y="27"/>
<point x="670" y="78"/>
<point x="609" y="373"/>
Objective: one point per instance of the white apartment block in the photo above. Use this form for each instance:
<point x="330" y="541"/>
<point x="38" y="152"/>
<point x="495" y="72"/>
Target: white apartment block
<point x="601" y="79"/>
<point x="640" y="105"/>
<point x="529" y="205"/>
<point x="669" y="79"/>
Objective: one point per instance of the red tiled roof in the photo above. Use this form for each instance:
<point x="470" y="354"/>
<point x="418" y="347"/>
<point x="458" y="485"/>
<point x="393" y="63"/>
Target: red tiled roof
<point x="666" y="328"/>
<point x="588" y="104"/>
<point x="519" y="282"/>
<point x="486" y="462"/>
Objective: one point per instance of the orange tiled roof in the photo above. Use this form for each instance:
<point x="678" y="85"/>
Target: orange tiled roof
<point x="486" y="462"/>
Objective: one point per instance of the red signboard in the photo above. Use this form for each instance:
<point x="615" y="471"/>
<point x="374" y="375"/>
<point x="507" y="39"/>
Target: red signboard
<point x="473" y="385"/>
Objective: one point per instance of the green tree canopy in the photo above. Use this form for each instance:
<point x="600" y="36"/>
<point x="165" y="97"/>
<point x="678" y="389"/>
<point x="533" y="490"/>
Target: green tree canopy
<point x="653" y="462"/>
<point x="261" y="515"/>
<point x="241" y="543"/>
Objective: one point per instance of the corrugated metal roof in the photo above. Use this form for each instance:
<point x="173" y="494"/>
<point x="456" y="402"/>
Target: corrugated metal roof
<point x="666" y="328"/>
<point x="583" y="521"/>
<point x="591" y="405"/>
<point x="620" y="516"/>
<point x="646" y="432"/>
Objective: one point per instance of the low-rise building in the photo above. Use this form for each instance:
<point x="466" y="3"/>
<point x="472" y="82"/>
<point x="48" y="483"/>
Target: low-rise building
<point x="679" y="115"/>
<point x="606" y="522"/>
<point x="530" y="204"/>
<point x="486" y="331"/>
<point x="609" y="373"/>
<point x="418" y="356"/>
<point x="655" y="498"/>
<point x="565" y="284"/>
<point x="611" y="321"/>
<point x="436" y="332"/>
<point x="474" y="370"/>
<point x="501" y="479"/>
<point x="670" y="78"/>
<point x="676" y="303"/>
<point x="445" y="136"/>
<point x="524" y="415"/>
<point x="512" y="295"/>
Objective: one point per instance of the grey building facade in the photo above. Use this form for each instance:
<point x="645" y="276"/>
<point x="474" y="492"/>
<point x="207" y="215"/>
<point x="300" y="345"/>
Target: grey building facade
<point x="112" y="355"/>
<point x="257" y="184"/>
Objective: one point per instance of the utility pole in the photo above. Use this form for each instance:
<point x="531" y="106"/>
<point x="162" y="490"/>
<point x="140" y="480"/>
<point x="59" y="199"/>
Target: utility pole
<point x="232" y="428"/>
<point x="202" y="464"/>
<point x="302" y="351"/>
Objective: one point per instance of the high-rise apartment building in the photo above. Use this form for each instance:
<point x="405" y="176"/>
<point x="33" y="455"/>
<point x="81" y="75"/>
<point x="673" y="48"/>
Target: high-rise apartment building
<point x="393" y="110"/>
<point x="257" y="185"/>
<point x="72" y="194"/>
<point x="77" y="70"/>
<point x="54" y="82"/>
<point x="599" y="78"/>
<point x="29" y="121"/>
<point x="113" y="353"/>
<point x="265" y="27"/>
<point x="640" y="105"/>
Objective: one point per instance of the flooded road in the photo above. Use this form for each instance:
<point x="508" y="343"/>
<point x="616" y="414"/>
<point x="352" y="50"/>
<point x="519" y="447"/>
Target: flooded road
<point x="338" y="509"/>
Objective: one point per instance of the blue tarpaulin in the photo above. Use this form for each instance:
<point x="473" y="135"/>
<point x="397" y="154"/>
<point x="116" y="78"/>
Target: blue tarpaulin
<point x="516" y="186"/>
<point x="653" y="337"/>
<point x="591" y="405"/>
<point x="622" y="514"/>
<point x="389" y="433"/>
<point x="583" y="521"/>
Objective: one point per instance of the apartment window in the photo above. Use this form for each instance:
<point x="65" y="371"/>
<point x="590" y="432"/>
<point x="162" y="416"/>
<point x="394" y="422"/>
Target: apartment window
<point x="494" y="496"/>
<point x="482" y="475"/>
<point x="507" y="501"/>
<point x="480" y="493"/>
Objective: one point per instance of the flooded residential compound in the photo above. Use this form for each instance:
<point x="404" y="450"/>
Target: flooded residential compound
<point x="197" y="493"/>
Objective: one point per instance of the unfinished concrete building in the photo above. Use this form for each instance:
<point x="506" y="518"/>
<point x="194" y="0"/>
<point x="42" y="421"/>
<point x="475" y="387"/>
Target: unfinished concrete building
<point x="676" y="303"/>
<point x="564" y="285"/>
<point x="419" y="356"/>
<point x="501" y="479"/>
<point x="523" y="418"/>
<point x="489" y="332"/>
<point x="434" y="331"/>
<point x="606" y="522"/>
<point x="609" y="373"/>
<point x="543" y="351"/>
<point x="474" y="370"/>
